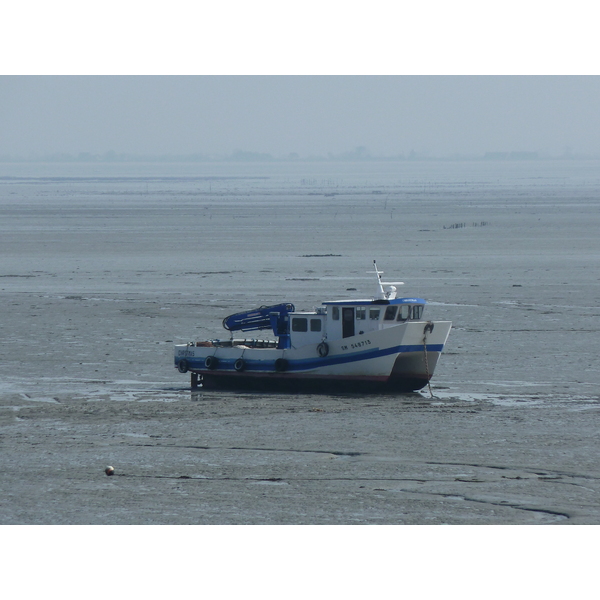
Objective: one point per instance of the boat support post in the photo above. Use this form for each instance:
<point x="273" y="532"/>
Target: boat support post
<point x="194" y="380"/>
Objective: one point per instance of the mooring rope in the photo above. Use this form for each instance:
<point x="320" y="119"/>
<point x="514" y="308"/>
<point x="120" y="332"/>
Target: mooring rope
<point x="426" y="360"/>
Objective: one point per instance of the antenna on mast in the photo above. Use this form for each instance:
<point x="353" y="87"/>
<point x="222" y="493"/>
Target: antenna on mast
<point x="390" y="292"/>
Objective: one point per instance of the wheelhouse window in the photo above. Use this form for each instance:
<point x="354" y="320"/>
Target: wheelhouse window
<point x="404" y="312"/>
<point x="374" y="314"/>
<point x="299" y="324"/>
<point x="390" y="313"/>
<point x="315" y="324"/>
<point x="335" y="313"/>
<point x="417" y="311"/>
<point x="361" y="313"/>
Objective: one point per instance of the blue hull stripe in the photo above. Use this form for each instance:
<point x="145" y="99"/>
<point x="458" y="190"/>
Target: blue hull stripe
<point x="313" y="363"/>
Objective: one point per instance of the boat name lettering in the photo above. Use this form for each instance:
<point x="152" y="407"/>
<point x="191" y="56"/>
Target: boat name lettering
<point x="186" y="353"/>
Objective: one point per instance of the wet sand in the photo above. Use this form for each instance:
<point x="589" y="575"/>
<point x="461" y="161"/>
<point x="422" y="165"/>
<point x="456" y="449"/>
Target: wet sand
<point x="246" y="459"/>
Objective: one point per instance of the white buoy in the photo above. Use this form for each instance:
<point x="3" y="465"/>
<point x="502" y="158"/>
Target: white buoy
<point x="109" y="470"/>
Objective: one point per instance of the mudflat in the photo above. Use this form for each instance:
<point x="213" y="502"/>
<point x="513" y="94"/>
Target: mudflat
<point x="102" y="274"/>
<point x="247" y="459"/>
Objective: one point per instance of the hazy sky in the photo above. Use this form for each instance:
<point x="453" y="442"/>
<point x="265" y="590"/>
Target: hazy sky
<point x="309" y="115"/>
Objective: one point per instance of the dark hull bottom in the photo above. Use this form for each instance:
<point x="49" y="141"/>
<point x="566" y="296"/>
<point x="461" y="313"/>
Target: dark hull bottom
<point x="394" y="384"/>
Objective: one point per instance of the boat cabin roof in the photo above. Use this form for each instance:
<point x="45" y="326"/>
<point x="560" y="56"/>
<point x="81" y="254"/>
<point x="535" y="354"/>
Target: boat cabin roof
<point x="377" y="301"/>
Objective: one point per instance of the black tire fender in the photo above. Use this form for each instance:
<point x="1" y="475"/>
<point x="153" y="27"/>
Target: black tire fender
<point x="428" y="327"/>
<point x="323" y="349"/>
<point x="240" y="364"/>
<point x="211" y="362"/>
<point x="281" y="365"/>
<point x="183" y="366"/>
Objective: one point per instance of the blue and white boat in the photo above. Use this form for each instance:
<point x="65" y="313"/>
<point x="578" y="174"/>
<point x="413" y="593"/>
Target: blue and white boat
<point x="376" y="344"/>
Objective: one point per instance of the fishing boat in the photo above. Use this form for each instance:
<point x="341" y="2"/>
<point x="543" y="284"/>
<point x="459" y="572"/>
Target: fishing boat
<point x="379" y="344"/>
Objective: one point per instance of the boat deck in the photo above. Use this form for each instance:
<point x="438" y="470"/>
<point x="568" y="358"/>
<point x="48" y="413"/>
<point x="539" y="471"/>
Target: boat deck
<point x="244" y="343"/>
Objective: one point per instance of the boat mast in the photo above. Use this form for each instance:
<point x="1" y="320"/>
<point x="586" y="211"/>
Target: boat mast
<point x="388" y="293"/>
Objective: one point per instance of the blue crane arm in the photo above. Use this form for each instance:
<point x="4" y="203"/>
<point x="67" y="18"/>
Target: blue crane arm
<point x="258" y="318"/>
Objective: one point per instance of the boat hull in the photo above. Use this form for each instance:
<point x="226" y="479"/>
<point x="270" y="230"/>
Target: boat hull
<point x="397" y="359"/>
<point x="313" y="384"/>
